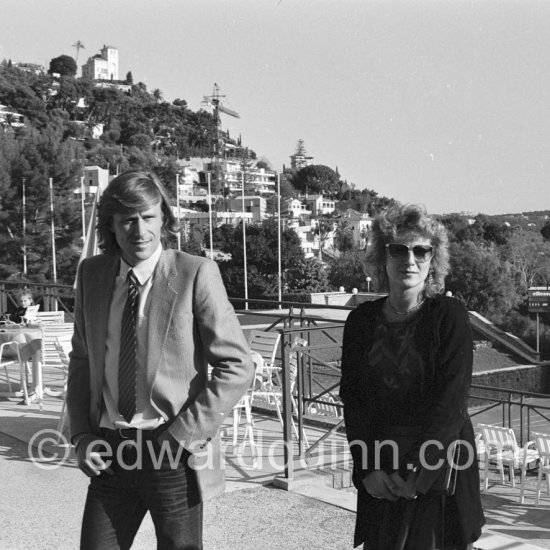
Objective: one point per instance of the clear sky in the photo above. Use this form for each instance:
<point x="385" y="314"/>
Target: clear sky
<point x="442" y="102"/>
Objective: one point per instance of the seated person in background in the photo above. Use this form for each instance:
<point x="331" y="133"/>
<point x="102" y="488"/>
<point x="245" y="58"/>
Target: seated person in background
<point x="25" y="300"/>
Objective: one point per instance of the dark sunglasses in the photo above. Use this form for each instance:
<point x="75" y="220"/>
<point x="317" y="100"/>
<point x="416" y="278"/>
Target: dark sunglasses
<point x="397" y="251"/>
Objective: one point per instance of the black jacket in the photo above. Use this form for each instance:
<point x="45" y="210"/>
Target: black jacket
<point x="444" y="340"/>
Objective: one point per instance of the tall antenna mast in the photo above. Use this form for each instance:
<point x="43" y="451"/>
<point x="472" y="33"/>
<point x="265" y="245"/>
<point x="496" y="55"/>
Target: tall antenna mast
<point x="218" y="149"/>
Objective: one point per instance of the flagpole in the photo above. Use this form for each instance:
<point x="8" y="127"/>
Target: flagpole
<point x="54" y="264"/>
<point x="90" y="247"/>
<point x="82" y="208"/>
<point x="179" y="209"/>
<point x="244" y="249"/>
<point x="24" y="229"/>
<point x="279" y="239"/>
<point x="209" y="175"/>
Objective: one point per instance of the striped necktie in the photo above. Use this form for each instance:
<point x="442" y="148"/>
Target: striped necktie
<point x="127" y="364"/>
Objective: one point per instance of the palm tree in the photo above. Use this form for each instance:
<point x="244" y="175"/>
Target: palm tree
<point x="78" y="45"/>
<point x="324" y="230"/>
<point x="157" y="95"/>
<point x="8" y="121"/>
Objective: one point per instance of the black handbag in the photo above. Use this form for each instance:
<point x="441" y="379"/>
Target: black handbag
<point x="441" y="480"/>
<point x="445" y="477"/>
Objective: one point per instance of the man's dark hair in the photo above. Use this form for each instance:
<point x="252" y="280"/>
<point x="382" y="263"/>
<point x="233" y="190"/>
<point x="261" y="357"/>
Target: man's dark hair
<point x="129" y="192"/>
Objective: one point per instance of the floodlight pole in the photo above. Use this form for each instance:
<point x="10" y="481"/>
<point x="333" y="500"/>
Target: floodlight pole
<point x="24" y="229"/>
<point x="82" y="209"/>
<point x="244" y="248"/>
<point x="54" y="263"/>
<point x="279" y="239"/>
<point x="209" y="177"/>
<point x="179" y="209"/>
<point x="538" y="336"/>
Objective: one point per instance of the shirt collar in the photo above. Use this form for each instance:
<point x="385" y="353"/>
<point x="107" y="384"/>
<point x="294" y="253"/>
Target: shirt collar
<point x="142" y="270"/>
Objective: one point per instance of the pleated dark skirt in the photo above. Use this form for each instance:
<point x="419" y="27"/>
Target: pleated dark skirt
<point x="429" y="522"/>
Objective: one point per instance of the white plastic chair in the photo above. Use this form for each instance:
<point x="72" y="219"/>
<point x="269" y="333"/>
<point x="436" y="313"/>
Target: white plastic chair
<point x="542" y="443"/>
<point x="245" y="405"/>
<point x="480" y="450"/>
<point x="9" y="360"/>
<point x="264" y="345"/>
<point x="64" y="348"/>
<point x="51" y="357"/>
<point x="502" y="449"/>
<point x="326" y="405"/>
<point x="268" y="377"/>
<point x="46" y="317"/>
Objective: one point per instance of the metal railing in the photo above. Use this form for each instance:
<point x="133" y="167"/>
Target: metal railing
<point x="524" y="411"/>
<point x="318" y="372"/>
<point x="295" y="308"/>
<point x="511" y="408"/>
<point x="317" y="377"/>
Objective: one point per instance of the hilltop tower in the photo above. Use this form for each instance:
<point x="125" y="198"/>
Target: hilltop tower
<point x="102" y="66"/>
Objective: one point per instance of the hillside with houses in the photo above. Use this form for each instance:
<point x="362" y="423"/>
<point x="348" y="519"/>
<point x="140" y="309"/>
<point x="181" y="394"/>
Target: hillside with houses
<point x="64" y="137"/>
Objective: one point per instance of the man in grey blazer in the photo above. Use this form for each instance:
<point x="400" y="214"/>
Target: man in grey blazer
<point x="144" y="411"/>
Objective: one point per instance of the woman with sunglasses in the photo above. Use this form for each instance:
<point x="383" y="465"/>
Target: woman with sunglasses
<point x="406" y="371"/>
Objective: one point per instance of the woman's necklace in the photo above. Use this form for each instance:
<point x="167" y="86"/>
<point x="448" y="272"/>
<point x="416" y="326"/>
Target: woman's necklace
<point x="410" y="310"/>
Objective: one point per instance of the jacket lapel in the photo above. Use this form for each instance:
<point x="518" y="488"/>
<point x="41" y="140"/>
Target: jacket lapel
<point x="162" y="302"/>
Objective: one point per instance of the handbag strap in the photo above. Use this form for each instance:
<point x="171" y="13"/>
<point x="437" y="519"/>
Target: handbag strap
<point x="443" y="505"/>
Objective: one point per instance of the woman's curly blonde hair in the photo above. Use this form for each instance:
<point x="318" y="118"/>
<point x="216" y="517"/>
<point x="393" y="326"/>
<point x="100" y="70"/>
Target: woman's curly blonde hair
<point x="402" y="219"/>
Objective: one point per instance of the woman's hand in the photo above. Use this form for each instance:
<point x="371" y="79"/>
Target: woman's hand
<point x="405" y="489"/>
<point x="379" y="484"/>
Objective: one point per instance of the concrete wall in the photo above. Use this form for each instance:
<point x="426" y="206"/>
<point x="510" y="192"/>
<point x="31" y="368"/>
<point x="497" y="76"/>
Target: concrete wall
<point x="330" y="298"/>
<point x="529" y="378"/>
<point x="343" y="298"/>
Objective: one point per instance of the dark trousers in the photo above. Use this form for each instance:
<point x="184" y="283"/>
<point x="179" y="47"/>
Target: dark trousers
<point x="116" y="504"/>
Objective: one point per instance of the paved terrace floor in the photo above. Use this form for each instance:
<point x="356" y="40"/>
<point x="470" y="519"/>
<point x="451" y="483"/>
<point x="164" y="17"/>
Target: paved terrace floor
<point x="41" y="503"/>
